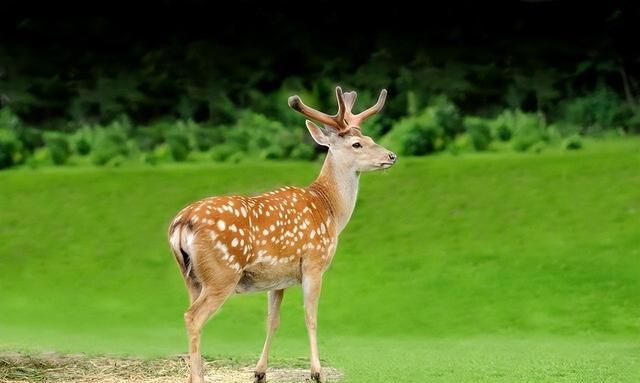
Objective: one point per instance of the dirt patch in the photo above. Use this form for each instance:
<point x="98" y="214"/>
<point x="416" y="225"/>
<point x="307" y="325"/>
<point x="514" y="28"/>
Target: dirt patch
<point x="21" y="368"/>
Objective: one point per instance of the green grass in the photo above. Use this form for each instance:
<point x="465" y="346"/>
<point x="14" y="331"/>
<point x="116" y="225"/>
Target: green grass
<point x="496" y="268"/>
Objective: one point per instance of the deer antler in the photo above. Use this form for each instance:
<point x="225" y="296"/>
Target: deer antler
<point x="360" y="117"/>
<point x="344" y="120"/>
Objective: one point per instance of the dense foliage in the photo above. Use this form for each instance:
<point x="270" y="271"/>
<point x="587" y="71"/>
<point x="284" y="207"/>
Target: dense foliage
<point x="476" y="77"/>
<point x="440" y="126"/>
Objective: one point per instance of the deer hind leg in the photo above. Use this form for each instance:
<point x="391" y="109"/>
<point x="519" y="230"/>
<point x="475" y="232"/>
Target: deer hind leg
<point x="194" y="288"/>
<point x="273" y="321"/>
<point x="218" y="282"/>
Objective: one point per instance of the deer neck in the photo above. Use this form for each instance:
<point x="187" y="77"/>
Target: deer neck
<point x="337" y="189"/>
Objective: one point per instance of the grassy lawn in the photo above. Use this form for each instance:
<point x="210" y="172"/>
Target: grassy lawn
<point x="493" y="267"/>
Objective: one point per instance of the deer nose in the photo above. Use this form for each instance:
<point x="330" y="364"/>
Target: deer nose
<point x="393" y="157"/>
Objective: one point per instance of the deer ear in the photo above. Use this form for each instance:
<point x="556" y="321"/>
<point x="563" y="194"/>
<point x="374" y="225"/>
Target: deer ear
<point x="318" y="134"/>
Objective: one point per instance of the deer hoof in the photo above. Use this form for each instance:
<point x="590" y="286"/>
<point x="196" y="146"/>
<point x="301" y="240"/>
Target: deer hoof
<point x="317" y="377"/>
<point x="260" y="377"/>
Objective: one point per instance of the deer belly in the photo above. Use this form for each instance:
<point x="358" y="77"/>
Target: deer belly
<point x="272" y="277"/>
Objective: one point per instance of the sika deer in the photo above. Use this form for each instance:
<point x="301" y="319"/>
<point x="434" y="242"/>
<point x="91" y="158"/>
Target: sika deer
<point x="272" y="241"/>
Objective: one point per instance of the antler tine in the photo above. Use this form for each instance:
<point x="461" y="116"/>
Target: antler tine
<point x="340" y="121"/>
<point x="350" y="100"/>
<point x="359" y="118"/>
<point x="296" y="104"/>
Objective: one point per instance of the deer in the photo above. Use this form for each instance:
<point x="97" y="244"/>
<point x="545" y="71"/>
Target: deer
<point x="234" y="244"/>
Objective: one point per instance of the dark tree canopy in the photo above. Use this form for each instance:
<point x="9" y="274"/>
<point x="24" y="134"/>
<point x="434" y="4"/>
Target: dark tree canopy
<point x="170" y="58"/>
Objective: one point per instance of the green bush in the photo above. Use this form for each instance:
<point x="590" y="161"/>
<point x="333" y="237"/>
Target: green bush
<point x="58" y="147"/>
<point x="207" y="137"/>
<point x="564" y="129"/>
<point x="9" y="120"/>
<point x="596" y="111"/>
<point x="573" y="142"/>
<point x="526" y="128"/>
<point x="110" y="142"/>
<point x="222" y="152"/>
<point x="200" y="137"/>
<point x="132" y="149"/>
<point x="198" y="156"/>
<point x="303" y="152"/>
<point x="416" y="135"/>
<point x="460" y="144"/>
<point x="40" y="157"/>
<point x="524" y="142"/>
<point x="502" y="132"/>
<point x="538" y="147"/>
<point x="10" y="149"/>
<point x="273" y="152"/>
<point x="178" y="143"/>
<point x="447" y="116"/>
<point x="633" y="122"/>
<point x="258" y="136"/>
<point x="431" y="130"/>
<point x="82" y="140"/>
<point x="237" y="157"/>
<point x="424" y="139"/>
<point x="78" y="160"/>
<point x="502" y="126"/>
<point x="552" y="135"/>
<point x="117" y="161"/>
<point x="29" y="138"/>
<point x="82" y="146"/>
<point x="149" y="137"/>
<point x="149" y="158"/>
<point x="162" y="153"/>
<point x="479" y="132"/>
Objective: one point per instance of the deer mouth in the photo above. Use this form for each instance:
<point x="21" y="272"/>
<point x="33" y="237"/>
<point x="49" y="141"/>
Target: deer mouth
<point x="386" y="165"/>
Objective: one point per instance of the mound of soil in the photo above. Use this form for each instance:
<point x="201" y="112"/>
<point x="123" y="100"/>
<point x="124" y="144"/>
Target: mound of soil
<point x="19" y="368"/>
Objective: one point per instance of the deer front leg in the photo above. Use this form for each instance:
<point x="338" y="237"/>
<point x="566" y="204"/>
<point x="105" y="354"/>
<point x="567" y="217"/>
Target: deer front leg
<point x="273" y="321"/>
<point x="311" y="285"/>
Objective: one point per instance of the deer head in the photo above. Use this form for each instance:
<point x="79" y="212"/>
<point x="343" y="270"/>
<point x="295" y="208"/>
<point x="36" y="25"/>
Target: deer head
<point x="342" y="133"/>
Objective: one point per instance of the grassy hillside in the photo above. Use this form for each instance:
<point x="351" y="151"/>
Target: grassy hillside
<point x="489" y="267"/>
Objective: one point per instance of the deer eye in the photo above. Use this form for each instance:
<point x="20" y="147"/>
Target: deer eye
<point x="356" y="145"/>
